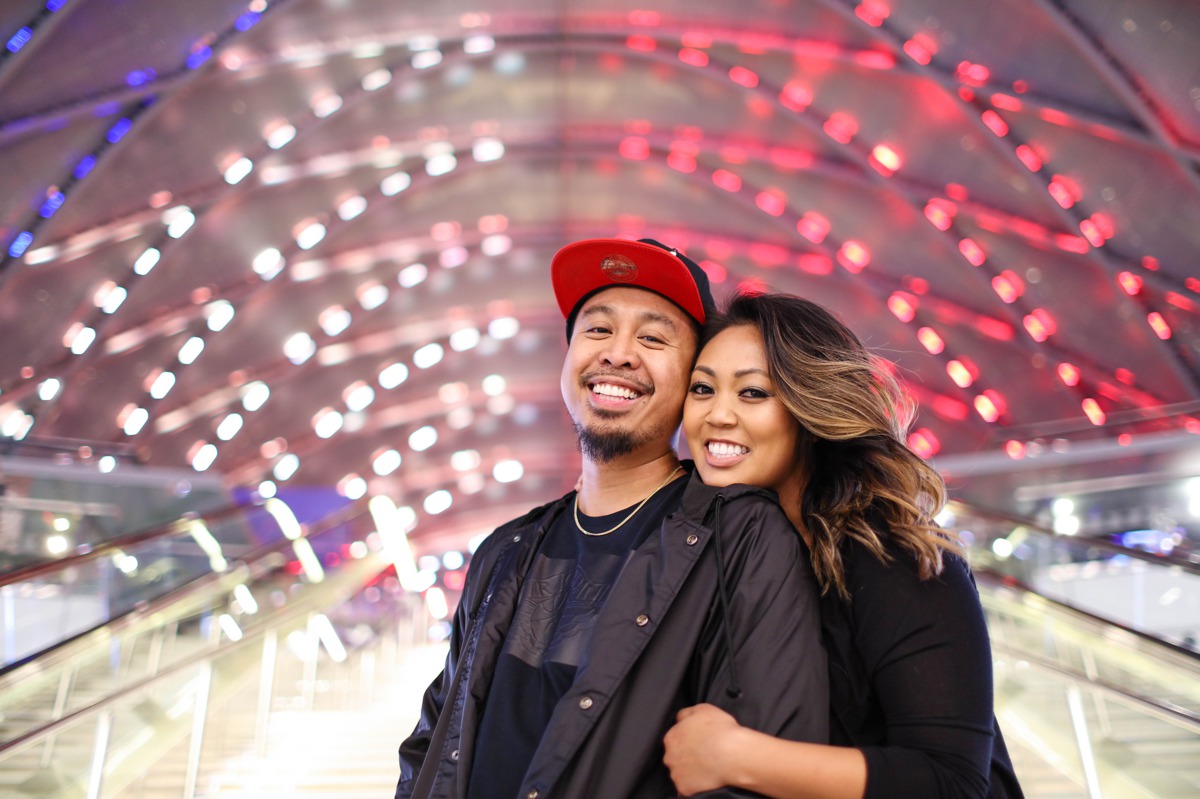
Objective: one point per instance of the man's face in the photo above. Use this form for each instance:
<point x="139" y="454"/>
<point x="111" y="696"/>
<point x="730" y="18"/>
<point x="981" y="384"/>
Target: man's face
<point x="626" y="372"/>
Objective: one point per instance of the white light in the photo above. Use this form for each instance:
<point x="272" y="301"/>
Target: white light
<point x="238" y="170"/>
<point x="82" y="340"/>
<point x="48" y="389"/>
<point x="61" y="524"/>
<point x="220" y="314"/>
<point x="394" y="184"/>
<point x="327" y="423"/>
<point x="179" y="220"/>
<point x="335" y="320"/>
<point x="428" y="563"/>
<point x="427" y="356"/>
<point x="1062" y="507"/>
<point x="127" y="564"/>
<point x="498" y="406"/>
<point x="508" y="471"/>
<point x="480" y="43"/>
<point x="496" y="245"/>
<point x="280" y="136"/>
<point x="328" y="636"/>
<point x="229" y="426"/>
<point x="372" y="296"/>
<point x="1002" y="548"/>
<point x="285" y="467"/>
<point x="465" y="460"/>
<point x="435" y="601"/>
<point x="460" y="418"/>
<point x="494" y="385"/>
<point x="471" y="483"/>
<point x="453" y="257"/>
<point x="452" y="393"/>
<point x="353" y="487"/>
<point x="352" y="207"/>
<point x="487" y="149"/>
<point x="422" y="438"/>
<point x="162" y="385"/>
<point x="465" y="339"/>
<point x="245" y="599"/>
<point x="229" y="627"/>
<point x="255" y="395"/>
<point x="135" y="421"/>
<point x="299" y="348"/>
<point x="437" y="502"/>
<point x="113" y="299"/>
<point x="310" y="235"/>
<point x="504" y="327"/>
<point x="326" y="104"/>
<point x="393" y="375"/>
<point x="17" y="425"/>
<point x="441" y="164"/>
<point x="268" y="263"/>
<point x="57" y="544"/>
<point x="510" y="63"/>
<point x="147" y="261"/>
<point x="359" y="397"/>
<point x="267" y="489"/>
<point x="426" y="59"/>
<point x="453" y="560"/>
<point x="107" y="464"/>
<point x="412" y="275"/>
<point x="42" y="255"/>
<point x="204" y="457"/>
<point x="191" y="350"/>
<point x="386" y="462"/>
<point x="1066" y="525"/>
<point x="377" y="79"/>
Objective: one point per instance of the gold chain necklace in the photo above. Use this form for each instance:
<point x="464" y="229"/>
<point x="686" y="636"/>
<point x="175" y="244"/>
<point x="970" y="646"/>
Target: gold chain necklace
<point x="621" y="524"/>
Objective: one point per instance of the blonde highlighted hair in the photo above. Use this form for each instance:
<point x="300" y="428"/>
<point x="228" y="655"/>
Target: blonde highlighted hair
<point x="861" y="480"/>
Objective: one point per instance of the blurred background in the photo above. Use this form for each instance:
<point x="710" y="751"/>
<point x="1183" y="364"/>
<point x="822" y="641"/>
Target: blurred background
<point x="278" y="345"/>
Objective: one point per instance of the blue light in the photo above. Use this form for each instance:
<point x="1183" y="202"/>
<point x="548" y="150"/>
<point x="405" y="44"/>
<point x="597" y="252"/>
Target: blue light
<point x="247" y="21"/>
<point x="53" y="202"/>
<point x="20" y="244"/>
<point x="199" y="57"/>
<point x="118" y="131"/>
<point x="84" y="167"/>
<point x="19" y="39"/>
<point x="55" y="5"/>
<point x="140" y="77"/>
<point x="106" y="109"/>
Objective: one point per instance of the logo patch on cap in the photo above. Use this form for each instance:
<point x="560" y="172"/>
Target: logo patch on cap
<point x="619" y="268"/>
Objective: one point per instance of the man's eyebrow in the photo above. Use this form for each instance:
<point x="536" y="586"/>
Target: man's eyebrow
<point x="643" y="317"/>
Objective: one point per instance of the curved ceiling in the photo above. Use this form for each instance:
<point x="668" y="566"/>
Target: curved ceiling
<point x="349" y="206"/>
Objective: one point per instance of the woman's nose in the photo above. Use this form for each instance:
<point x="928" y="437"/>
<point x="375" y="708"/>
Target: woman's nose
<point x="720" y="413"/>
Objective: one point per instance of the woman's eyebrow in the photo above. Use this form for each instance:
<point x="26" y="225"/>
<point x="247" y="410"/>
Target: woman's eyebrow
<point x="750" y="370"/>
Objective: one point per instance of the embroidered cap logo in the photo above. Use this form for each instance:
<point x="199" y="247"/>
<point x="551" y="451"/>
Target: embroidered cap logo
<point x="619" y="268"/>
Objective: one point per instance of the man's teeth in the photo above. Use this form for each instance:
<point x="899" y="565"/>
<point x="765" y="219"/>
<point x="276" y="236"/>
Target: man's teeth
<point x="609" y="390"/>
<point x="720" y="449"/>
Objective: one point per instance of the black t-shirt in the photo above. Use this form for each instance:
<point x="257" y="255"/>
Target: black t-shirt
<point x="568" y="583"/>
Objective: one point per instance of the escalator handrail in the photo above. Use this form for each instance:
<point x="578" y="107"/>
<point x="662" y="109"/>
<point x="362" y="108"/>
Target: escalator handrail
<point x="1163" y="560"/>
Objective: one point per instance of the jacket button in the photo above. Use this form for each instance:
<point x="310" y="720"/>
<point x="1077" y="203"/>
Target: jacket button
<point x="516" y="538"/>
<point x="532" y="794"/>
<point x="454" y="755"/>
<point x="642" y="620"/>
<point x="692" y="539"/>
<point x="586" y="702"/>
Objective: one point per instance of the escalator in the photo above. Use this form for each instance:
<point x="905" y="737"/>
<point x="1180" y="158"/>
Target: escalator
<point x="295" y="668"/>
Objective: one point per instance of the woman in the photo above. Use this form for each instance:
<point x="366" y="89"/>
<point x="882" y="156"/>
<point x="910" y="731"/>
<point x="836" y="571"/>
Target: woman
<point x="785" y="396"/>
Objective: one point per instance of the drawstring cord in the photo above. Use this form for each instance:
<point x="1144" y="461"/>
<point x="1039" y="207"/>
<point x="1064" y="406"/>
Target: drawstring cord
<point x="734" y="691"/>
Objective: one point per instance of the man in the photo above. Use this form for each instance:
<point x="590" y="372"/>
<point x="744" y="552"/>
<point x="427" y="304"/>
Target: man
<point x="588" y="623"/>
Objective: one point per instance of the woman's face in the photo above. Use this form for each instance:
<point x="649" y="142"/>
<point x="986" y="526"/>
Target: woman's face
<point x="737" y="429"/>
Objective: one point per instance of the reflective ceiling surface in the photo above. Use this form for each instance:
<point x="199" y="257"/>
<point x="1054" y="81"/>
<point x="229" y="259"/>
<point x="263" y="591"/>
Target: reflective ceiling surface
<point x="347" y="208"/>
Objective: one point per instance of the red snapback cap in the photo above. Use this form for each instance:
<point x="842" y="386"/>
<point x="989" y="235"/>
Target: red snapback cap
<point x="580" y="269"/>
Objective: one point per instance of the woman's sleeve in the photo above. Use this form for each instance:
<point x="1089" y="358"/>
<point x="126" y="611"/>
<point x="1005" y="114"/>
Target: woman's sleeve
<point x="924" y="644"/>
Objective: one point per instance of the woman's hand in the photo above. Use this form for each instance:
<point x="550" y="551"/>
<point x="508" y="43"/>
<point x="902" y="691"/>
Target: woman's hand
<point x="701" y="749"/>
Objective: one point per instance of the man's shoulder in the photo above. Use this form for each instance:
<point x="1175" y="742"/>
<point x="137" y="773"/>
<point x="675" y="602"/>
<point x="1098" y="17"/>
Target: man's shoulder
<point x="527" y="519"/>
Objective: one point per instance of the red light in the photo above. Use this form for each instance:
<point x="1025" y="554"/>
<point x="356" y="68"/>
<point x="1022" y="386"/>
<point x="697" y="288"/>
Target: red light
<point x="681" y="162"/>
<point x="727" y="180"/>
<point x="645" y="18"/>
<point x="923" y="442"/>
<point x="959" y="373"/>
<point x="994" y="328"/>
<point x="872" y="12"/>
<point x="1125" y="376"/>
<point x="1092" y="233"/>
<point x="753" y="285"/>
<point x="903" y="306"/>
<point x="1014" y="450"/>
<point x="644" y="44"/>
<point x="1151" y="263"/>
<point x="841" y="127"/>
<point x="1008" y="285"/>
<point x="795" y="96"/>
<point x="930" y="340"/>
<point x="1029" y="157"/>
<point x="1020" y="86"/>
<point x="696" y="39"/>
<point x="972" y="252"/>
<point x="694" y="57"/>
<point x="813" y="226"/>
<point x="957" y="191"/>
<point x="815" y="264"/>
<point x="995" y="123"/>
<point x="1040" y="325"/>
<point x="940" y="213"/>
<point x="743" y="77"/>
<point x="1130" y="282"/>
<point x="635" y="148"/>
<point x="1094" y="414"/>
<point x="1161" y="328"/>
<point x="917" y="285"/>
<point x="874" y="59"/>
<point x="1180" y="301"/>
<point x="1192" y="426"/>
<point x="1062" y="191"/>
<point x="986" y="408"/>
<point x="772" y="202"/>
<point x="918" y="51"/>
<point x="1068" y="243"/>
<point x="1069" y="374"/>
<point x="455" y="580"/>
<point x="853" y="256"/>
<point x="1007" y="102"/>
<point x="1124" y="440"/>
<point x="791" y="158"/>
<point x="885" y="160"/>
<point x="975" y="74"/>
<point x="716" y="273"/>
<point x="768" y="254"/>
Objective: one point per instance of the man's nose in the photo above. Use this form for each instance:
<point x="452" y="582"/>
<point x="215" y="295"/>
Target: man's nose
<point x="621" y="351"/>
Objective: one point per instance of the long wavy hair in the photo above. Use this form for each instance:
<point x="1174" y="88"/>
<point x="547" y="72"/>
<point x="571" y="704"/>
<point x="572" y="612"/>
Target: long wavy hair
<point x="862" y="482"/>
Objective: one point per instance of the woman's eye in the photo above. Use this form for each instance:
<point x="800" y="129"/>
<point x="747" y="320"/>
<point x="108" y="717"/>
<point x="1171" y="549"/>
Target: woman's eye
<point x="700" y="388"/>
<point x="755" y="393"/>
